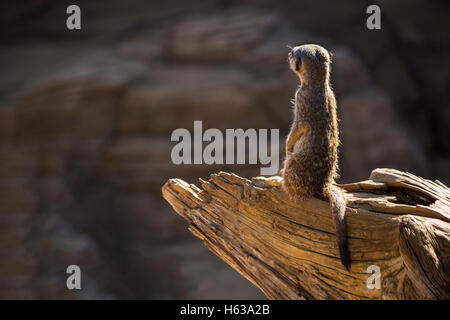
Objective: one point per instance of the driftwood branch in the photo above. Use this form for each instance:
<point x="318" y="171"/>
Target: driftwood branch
<point x="395" y="220"/>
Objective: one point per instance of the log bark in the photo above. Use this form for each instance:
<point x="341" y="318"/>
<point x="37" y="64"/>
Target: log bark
<point x="397" y="223"/>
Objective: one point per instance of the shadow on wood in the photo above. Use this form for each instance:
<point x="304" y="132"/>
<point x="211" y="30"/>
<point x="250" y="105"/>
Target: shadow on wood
<point x="397" y="222"/>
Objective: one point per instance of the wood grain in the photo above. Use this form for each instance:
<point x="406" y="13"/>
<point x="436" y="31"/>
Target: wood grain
<point x="395" y="220"/>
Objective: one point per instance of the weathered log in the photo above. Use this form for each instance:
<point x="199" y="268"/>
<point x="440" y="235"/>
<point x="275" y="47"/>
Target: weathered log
<point x="396" y="221"/>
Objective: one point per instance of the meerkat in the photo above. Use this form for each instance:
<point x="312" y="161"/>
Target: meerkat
<point x="311" y="163"/>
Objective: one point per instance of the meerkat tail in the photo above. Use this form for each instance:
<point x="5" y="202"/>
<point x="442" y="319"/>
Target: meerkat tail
<point x="337" y="204"/>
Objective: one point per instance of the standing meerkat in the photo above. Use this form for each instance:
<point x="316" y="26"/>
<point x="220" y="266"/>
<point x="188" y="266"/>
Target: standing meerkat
<point x="311" y="146"/>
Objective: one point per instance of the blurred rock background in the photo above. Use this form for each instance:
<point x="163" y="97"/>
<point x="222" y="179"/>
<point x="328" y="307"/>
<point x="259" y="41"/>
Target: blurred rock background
<point x="86" y="118"/>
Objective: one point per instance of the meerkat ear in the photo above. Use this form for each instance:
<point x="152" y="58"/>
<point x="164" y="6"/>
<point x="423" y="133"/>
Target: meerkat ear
<point x="320" y="56"/>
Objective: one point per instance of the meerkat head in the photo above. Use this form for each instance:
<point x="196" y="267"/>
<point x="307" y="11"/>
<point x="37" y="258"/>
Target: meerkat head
<point x="311" y="63"/>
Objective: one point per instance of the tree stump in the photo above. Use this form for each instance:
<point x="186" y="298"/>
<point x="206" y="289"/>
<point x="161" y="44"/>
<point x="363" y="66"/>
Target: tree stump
<point x="398" y="227"/>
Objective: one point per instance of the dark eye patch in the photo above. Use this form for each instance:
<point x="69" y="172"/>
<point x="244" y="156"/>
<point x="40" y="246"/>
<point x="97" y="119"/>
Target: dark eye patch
<point x="297" y="63"/>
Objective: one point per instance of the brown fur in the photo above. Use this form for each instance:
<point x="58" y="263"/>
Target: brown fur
<point x="312" y="144"/>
